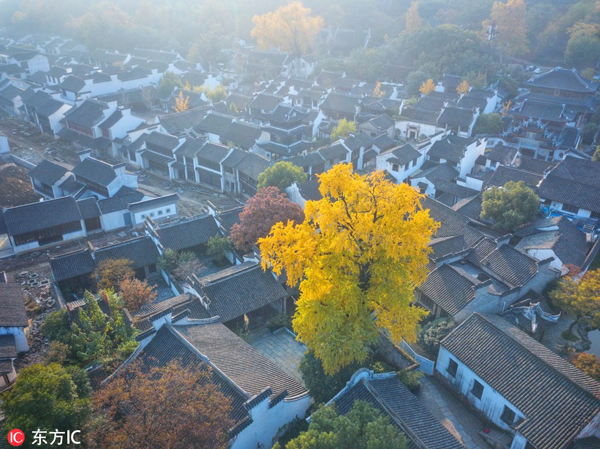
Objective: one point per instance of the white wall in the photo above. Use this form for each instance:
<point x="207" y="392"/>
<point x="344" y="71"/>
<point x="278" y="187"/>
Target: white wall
<point x="157" y="213"/>
<point x="126" y="124"/>
<point x="267" y="421"/>
<point x="582" y="213"/>
<point x="491" y="402"/>
<point x="471" y="154"/>
<point x="114" y="220"/>
<point x="426" y="129"/>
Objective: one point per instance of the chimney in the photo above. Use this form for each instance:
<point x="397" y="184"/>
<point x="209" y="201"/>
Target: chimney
<point x="503" y="240"/>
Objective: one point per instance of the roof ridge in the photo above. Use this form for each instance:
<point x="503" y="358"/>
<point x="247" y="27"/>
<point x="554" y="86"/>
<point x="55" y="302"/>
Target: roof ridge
<point x="585" y="388"/>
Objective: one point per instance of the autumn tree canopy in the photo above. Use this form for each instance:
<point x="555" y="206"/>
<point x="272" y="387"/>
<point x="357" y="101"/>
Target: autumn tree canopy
<point x="168" y="407"/>
<point x="343" y="129"/>
<point x="580" y="296"/>
<point x="268" y="207"/>
<point x="291" y="28"/>
<point x="111" y="272"/>
<point x="136" y="293"/>
<point x="510" y="20"/>
<point x="357" y="257"/>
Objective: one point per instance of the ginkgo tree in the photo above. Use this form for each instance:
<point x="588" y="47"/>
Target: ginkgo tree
<point x="357" y="257"/>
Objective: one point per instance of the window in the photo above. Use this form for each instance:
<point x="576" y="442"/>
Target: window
<point x="143" y="216"/>
<point x="168" y="210"/>
<point x="152" y="214"/>
<point x="569" y="208"/>
<point x="556" y="92"/>
<point x="452" y="368"/>
<point x="160" y="212"/>
<point x="152" y="268"/>
<point x="394" y="167"/>
<point x="477" y="389"/>
<point x="508" y="416"/>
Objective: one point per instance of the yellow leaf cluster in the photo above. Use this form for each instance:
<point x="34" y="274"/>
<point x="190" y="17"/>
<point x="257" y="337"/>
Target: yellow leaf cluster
<point x="290" y="28"/>
<point x="427" y="87"/>
<point x="510" y="19"/>
<point x="181" y="102"/>
<point x="357" y="257"/>
<point x="463" y="88"/>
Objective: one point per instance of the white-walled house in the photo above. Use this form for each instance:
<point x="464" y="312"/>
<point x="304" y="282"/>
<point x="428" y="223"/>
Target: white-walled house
<point x="520" y="385"/>
<point x="265" y="398"/>
<point x="460" y="152"/>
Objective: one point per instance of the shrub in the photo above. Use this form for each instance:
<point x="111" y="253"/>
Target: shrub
<point x="434" y="332"/>
<point x="279" y="321"/>
<point x="412" y="378"/>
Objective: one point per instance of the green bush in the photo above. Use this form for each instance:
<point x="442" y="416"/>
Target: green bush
<point x="56" y="326"/>
<point x="279" y="321"/>
<point x="434" y="332"/>
<point x="412" y="379"/>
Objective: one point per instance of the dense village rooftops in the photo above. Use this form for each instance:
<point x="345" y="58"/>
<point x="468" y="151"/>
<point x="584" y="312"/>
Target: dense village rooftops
<point x="43" y="215"/>
<point x="445" y="149"/>
<point x="237" y="291"/>
<point x="47" y="172"/>
<point x="157" y="141"/>
<point x="504" y="174"/>
<point x="388" y="394"/>
<point x="341" y="102"/>
<point x="575" y="182"/>
<point x="539" y="110"/>
<point x="241" y="134"/>
<point x="402" y="154"/>
<point x="87" y="114"/>
<point x="286" y="113"/>
<point x="181" y="122"/>
<point x="557" y="399"/>
<point x="558" y="234"/>
<point x="95" y="170"/>
<point x="214" y="123"/>
<point x="12" y="306"/>
<point x="456" y="116"/>
<point x="185" y="234"/>
<point x="72" y="83"/>
<point x="563" y="79"/>
<point x="264" y="102"/>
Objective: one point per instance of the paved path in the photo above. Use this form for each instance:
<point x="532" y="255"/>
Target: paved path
<point x="453" y="415"/>
<point x="284" y="351"/>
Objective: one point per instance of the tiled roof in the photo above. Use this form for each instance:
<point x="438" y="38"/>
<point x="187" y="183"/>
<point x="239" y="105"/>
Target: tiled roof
<point x="47" y="172"/>
<point x="501" y="154"/>
<point x="119" y="202"/>
<point x="573" y="181"/>
<point x="87" y="114"/>
<point x="12" y="306"/>
<point x="558" y="234"/>
<point x="215" y="124"/>
<point x="212" y="152"/>
<point x="187" y="234"/>
<point x="341" y="102"/>
<point x="336" y="150"/>
<point x="447" y="150"/>
<point x="455" y="116"/>
<point x="150" y="203"/>
<point x="450" y="288"/>
<point x="510" y="264"/>
<point x="71" y="265"/>
<point x="8" y="349"/>
<point x="140" y="250"/>
<point x="180" y="122"/>
<point x="310" y="190"/>
<point x="95" y="170"/>
<point x="390" y="396"/>
<point x="42" y="215"/>
<point x="504" y="174"/>
<point x="88" y="208"/>
<point x="563" y="79"/>
<point x="243" y="135"/>
<point x="446" y="245"/>
<point x="264" y="102"/>
<point x="247" y="289"/>
<point x="72" y="84"/>
<point x="557" y="399"/>
<point x="451" y="222"/>
<point x="402" y="154"/>
<point x="253" y="165"/>
<point x="112" y="120"/>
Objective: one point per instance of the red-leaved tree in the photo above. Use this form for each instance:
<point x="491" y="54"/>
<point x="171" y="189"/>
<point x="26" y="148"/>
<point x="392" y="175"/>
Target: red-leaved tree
<point x="262" y="211"/>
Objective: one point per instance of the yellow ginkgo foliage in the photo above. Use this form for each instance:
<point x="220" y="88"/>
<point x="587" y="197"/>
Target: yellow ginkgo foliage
<point x="357" y="256"/>
<point x="181" y="102"/>
<point x="463" y="88"/>
<point x="427" y="87"/>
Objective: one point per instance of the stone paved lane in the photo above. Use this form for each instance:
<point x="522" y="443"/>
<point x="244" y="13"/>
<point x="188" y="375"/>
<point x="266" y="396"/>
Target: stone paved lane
<point x="282" y="348"/>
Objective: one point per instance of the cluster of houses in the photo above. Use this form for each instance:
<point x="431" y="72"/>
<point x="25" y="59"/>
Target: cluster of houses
<point x="487" y="281"/>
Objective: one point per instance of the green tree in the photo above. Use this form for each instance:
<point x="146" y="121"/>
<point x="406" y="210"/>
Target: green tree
<point x="588" y="363"/>
<point x="583" y="50"/>
<point x="322" y="386"/>
<point x="365" y="64"/>
<point x="56" y="326"/>
<point x="96" y="336"/>
<point x="596" y="156"/>
<point x="168" y="83"/>
<point x="343" y="129"/>
<point x="364" y="427"/>
<point x="44" y="397"/>
<point x="415" y="80"/>
<point x="218" y="247"/>
<point x="488" y="124"/>
<point x="281" y="175"/>
<point x="509" y="19"/>
<point x="588" y="133"/>
<point x="510" y="206"/>
<point x="168" y="261"/>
